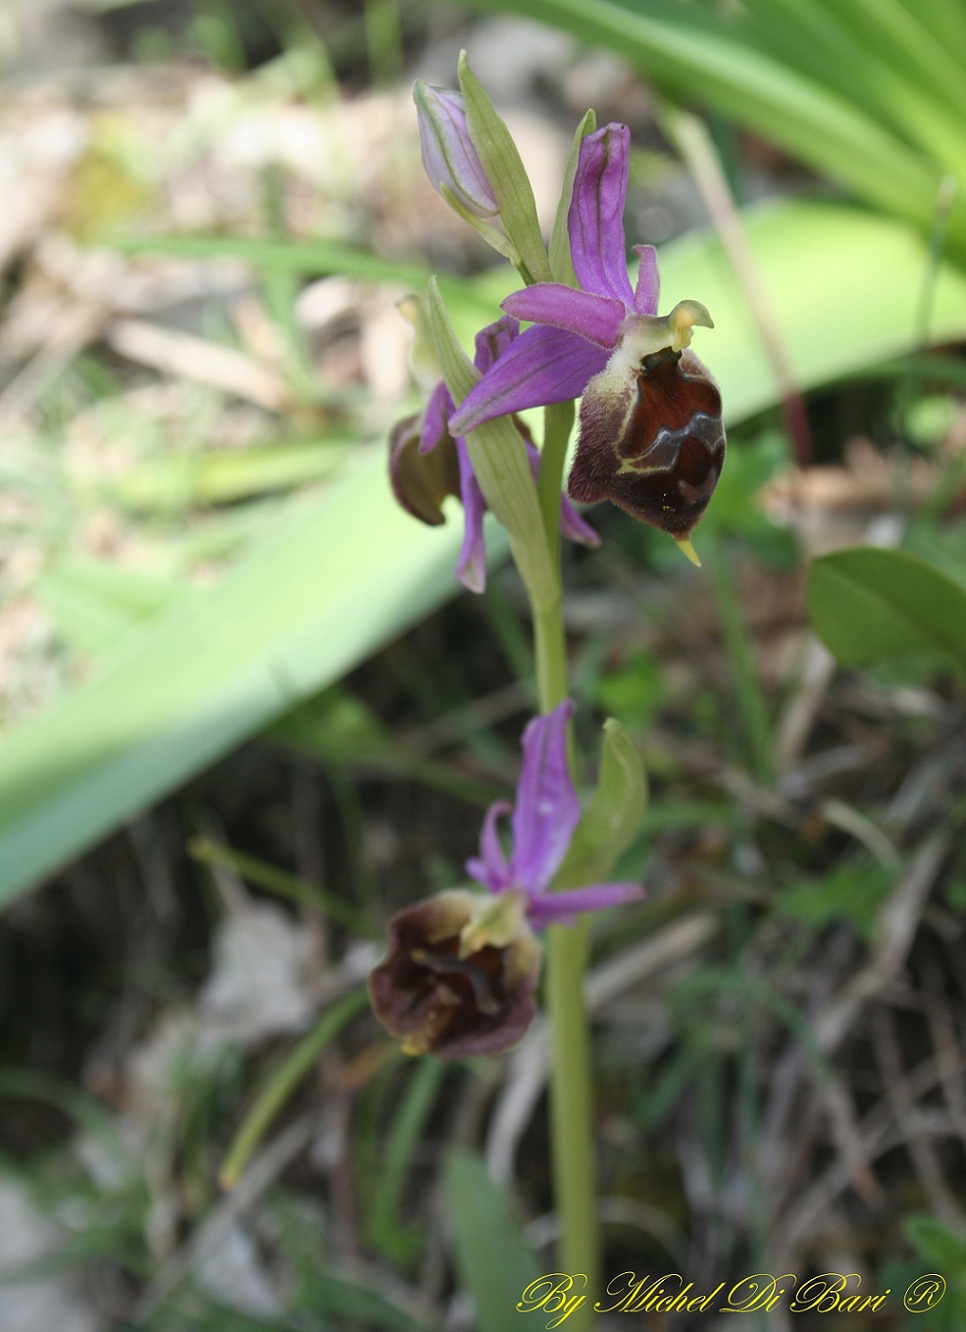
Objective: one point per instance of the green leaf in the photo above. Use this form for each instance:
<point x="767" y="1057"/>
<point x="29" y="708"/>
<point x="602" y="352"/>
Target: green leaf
<point x="388" y="1227"/>
<point x="340" y="731"/>
<point x="869" y="605"/>
<point x="937" y="1243"/>
<point x="853" y="893"/>
<point x="353" y="1305"/>
<point x="613" y="816"/>
<point x="172" y="483"/>
<point x="95" y="603"/>
<point x="347" y="571"/>
<point x="494" y="1263"/>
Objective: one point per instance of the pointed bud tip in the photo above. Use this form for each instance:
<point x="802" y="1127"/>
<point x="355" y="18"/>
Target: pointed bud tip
<point x="687" y="549"/>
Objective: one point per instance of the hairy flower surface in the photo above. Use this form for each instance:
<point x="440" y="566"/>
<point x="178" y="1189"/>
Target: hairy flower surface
<point x="461" y="969"/>
<point x="427" y="463"/>
<point x="651" y="437"/>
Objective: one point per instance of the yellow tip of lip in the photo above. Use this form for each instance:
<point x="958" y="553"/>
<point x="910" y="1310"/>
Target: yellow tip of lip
<point x="685" y="547"/>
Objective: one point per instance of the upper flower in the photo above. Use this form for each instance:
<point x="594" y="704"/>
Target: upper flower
<point x="427" y="463"/>
<point x="461" y="969"/>
<point x="651" y="436"/>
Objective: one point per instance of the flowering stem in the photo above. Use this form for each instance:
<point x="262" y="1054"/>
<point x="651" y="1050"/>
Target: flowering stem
<point x="548" y="639"/>
<point x="558" y="420"/>
<point x="572" y="1142"/>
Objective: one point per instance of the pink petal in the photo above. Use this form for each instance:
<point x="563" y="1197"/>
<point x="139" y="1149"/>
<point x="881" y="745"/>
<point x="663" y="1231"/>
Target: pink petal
<point x="596" y="219"/>
<point x="490" y="867"/>
<point x="435" y="418"/>
<point x="560" y="908"/>
<point x="541" y="366"/>
<point x="471" y="565"/>
<point x="547" y="809"/>
<point x="597" y="318"/>
<point x="574" y="527"/>
<point x="493" y="341"/>
<point x="648" y="287"/>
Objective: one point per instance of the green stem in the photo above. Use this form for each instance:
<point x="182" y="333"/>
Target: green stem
<point x="571" y="1120"/>
<point x="571" y="1125"/>
<point x="558" y="423"/>
<point x="550" y="650"/>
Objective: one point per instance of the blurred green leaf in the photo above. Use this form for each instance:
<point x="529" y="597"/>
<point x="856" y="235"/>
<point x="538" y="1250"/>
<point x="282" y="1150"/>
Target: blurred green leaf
<point x="387" y="1225"/>
<point x="172" y="483"/>
<point x="356" y="1305"/>
<point x="937" y="1243"/>
<point x="868" y="605"/>
<point x="347" y="571"/>
<point x="95" y="603"/>
<point x="341" y="731"/>
<point x="494" y="1262"/>
<point x="833" y="83"/>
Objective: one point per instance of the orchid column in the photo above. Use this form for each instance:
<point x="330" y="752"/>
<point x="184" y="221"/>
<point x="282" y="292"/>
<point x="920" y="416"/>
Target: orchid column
<point x="462" y="968"/>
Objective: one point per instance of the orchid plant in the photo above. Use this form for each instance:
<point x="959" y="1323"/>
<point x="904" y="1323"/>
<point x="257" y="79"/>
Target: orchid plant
<point x="462" y="968"/>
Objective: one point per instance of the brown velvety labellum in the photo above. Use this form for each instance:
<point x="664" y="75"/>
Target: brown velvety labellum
<point x="656" y="451"/>
<point x="440" y="1003"/>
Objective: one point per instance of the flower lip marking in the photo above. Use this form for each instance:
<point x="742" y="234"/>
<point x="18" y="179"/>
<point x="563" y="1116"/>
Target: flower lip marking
<point x="653" y="442"/>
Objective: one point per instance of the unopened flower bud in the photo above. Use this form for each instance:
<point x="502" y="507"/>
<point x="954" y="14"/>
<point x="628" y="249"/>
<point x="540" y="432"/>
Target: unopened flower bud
<point x="451" y="161"/>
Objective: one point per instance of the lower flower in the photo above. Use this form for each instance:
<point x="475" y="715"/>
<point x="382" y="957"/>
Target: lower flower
<point x="459" y="976"/>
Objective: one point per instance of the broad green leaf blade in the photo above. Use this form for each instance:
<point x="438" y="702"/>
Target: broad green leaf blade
<point x="348" y="572"/>
<point x="95" y="603"/>
<point x="868" y="605"/>
<point x="169" y="484"/>
<point x="494" y="1264"/>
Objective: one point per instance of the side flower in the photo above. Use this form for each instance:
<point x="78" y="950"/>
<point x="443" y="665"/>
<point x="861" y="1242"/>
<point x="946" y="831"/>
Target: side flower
<point x="427" y="462"/>
<point x="462" y="967"/>
<point x="651" y="436"/>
